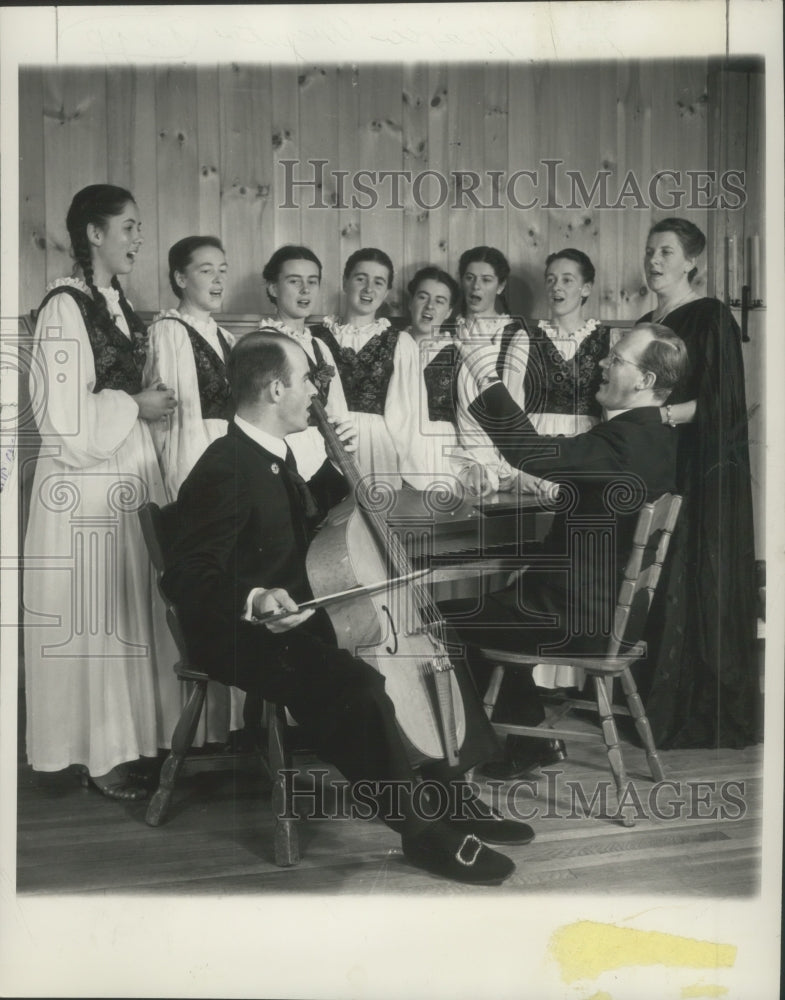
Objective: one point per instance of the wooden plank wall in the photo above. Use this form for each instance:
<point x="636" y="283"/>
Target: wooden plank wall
<point x="202" y="147"/>
<point x="736" y="141"/>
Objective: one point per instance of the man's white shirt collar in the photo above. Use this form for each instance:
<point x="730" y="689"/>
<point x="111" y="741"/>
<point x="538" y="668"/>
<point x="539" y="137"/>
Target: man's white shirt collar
<point x="610" y="414"/>
<point x="270" y="443"/>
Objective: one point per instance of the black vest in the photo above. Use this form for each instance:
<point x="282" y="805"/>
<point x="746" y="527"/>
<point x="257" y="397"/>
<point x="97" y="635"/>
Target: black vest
<point x="119" y="360"/>
<point x="215" y="394"/>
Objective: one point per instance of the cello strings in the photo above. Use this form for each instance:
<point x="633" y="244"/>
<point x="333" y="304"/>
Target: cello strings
<point x="422" y="602"/>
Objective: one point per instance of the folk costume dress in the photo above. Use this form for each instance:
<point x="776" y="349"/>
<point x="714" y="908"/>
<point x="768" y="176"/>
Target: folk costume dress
<point x="100" y="688"/>
<point x="190" y="356"/>
<point x="562" y="377"/>
<point x="702" y="635"/>
<point x="308" y="445"/>
<point x="379" y="368"/>
<point x="512" y="341"/>
<point x="433" y="454"/>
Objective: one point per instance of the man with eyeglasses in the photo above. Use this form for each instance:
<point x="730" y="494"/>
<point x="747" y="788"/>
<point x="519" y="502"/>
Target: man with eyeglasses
<point x="626" y="460"/>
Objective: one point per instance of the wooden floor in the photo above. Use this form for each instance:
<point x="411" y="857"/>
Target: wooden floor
<point x="218" y="838"/>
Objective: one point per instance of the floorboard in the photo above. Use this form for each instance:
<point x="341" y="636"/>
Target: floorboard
<point x="218" y="838"/>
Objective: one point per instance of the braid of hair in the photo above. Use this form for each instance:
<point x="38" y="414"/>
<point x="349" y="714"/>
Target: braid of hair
<point x="95" y="205"/>
<point x="81" y="250"/>
<point x="135" y="323"/>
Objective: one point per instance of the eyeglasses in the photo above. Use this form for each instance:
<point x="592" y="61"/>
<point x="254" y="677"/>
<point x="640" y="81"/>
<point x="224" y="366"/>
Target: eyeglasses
<point x="617" y="359"/>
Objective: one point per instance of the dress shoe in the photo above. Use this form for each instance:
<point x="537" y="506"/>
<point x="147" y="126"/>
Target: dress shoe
<point x="523" y="755"/>
<point x="488" y="823"/>
<point x="441" y="850"/>
<point x="115" y="784"/>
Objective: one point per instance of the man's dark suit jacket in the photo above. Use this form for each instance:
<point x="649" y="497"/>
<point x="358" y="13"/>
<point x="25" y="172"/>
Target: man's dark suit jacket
<point x="241" y="525"/>
<point x="607" y="474"/>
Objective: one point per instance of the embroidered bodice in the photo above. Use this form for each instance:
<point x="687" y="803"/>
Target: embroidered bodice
<point x="439" y="378"/>
<point x="560" y="380"/>
<point x="118" y="357"/>
<point x="215" y="395"/>
<point x="322" y="373"/>
<point x="365" y="360"/>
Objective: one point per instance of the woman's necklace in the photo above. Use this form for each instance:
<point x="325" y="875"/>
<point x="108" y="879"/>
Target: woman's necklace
<point x="659" y="314"/>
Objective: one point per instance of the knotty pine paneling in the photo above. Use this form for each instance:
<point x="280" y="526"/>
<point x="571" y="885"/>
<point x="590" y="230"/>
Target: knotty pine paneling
<point x="131" y="150"/>
<point x="201" y="150"/>
<point x="465" y="152"/>
<point x="319" y="126"/>
<point x="381" y="148"/>
<point x="348" y="218"/>
<point x="177" y="164"/>
<point x="74" y="124"/>
<point x="246" y="148"/>
<point x="208" y="141"/>
<point x="32" y="188"/>
<point x="416" y="220"/>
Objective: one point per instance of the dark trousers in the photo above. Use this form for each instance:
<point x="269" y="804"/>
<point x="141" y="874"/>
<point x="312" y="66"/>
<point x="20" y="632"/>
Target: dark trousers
<point x="498" y="621"/>
<point x="341" y="703"/>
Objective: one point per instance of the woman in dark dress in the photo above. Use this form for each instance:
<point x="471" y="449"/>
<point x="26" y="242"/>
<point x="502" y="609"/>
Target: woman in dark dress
<point x="702" y="643"/>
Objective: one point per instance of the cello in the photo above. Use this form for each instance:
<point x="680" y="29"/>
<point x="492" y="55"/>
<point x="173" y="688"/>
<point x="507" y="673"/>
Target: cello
<point x="399" y="632"/>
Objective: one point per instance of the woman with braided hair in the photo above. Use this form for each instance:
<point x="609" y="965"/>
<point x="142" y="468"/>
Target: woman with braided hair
<point x="100" y="688"/>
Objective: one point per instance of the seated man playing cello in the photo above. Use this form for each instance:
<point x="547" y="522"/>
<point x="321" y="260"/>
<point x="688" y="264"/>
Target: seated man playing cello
<point x="245" y="522"/>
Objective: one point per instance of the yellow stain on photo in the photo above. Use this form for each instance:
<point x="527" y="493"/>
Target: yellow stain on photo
<point x="703" y="990"/>
<point x="586" y="949"/>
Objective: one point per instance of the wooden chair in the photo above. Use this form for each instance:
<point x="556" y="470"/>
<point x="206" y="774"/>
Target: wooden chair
<point x="156" y="525"/>
<point x="656" y="522"/>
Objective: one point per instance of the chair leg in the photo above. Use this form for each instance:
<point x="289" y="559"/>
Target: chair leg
<point x="182" y="740"/>
<point x="285" y="839"/>
<point x="642" y="724"/>
<point x="611" y="737"/>
<point x="492" y="693"/>
<point x="253" y="714"/>
<point x="488" y="704"/>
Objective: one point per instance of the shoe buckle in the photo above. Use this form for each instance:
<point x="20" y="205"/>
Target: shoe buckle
<point x="469" y="841"/>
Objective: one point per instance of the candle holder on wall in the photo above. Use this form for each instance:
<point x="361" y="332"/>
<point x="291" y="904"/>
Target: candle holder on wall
<point x="732" y="284"/>
<point x="745" y="310"/>
<point x="754" y="272"/>
<point x="743" y="277"/>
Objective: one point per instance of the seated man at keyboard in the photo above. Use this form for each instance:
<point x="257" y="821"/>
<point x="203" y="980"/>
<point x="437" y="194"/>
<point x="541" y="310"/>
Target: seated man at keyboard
<point x="621" y="463"/>
<point x="245" y="521"/>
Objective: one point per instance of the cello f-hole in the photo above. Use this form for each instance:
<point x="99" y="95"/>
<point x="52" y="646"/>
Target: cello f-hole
<point x="394" y="650"/>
